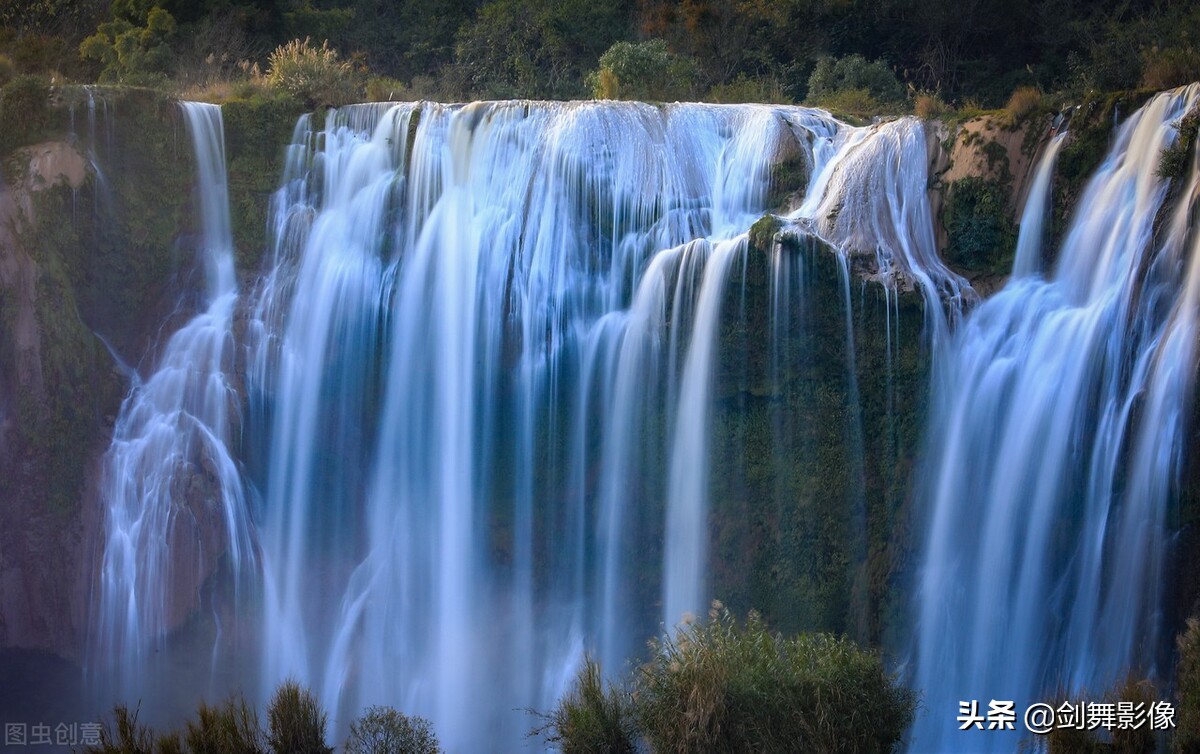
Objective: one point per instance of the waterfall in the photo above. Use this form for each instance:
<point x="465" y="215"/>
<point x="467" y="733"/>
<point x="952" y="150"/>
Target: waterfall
<point x="483" y="360"/>
<point x="1056" y="449"/>
<point x="1037" y="207"/>
<point x="174" y="503"/>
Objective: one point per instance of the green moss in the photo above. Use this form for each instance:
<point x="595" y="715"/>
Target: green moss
<point x="789" y="179"/>
<point x="980" y="234"/>
<point x="106" y="259"/>
<point x="57" y="427"/>
<point x="762" y="233"/>
<point x="808" y="512"/>
<point x="257" y="131"/>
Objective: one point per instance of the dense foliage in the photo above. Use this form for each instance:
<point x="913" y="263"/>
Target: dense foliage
<point x="858" y="53"/>
<point x="725" y="686"/>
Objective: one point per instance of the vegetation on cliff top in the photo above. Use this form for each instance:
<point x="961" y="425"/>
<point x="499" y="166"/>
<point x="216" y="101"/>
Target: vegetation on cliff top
<point x="891" y="54"/>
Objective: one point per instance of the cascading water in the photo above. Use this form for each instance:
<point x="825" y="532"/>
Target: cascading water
<point x="1056" y="449"/>
<point x="1028" y="259"/>
<point x="170" y="464"/>
<point x="483" y="360"/>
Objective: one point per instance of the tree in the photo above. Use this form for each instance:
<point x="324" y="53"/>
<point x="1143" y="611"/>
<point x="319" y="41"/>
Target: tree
<point x="296" y="722"/>
<point x="536" y="48"/>
<point x="383" y="730"/>
<point x="643" y="71"/>
<point x="135" y="42"/>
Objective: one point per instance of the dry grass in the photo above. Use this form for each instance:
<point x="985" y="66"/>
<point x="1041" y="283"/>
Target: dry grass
<point x="928" y="106"/>
<point x="1024" y="102"/>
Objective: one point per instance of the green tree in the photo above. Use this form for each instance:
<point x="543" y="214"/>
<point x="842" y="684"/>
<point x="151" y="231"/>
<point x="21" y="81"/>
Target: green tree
<point x="854" y="72"/>
<point x="134" y="42"/>
<point x="643" y="71"/>
<point x="536" y="48"/>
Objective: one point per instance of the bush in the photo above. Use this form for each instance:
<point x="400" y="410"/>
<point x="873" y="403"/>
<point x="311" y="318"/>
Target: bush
<point x="230" y="728"/>
<point x="643" y="71"/>
<point x="857" y="103"/>
<point x="1134" y="740"/>
<point x="296" y="722"/>
<point x="1187" y="690"/>
<point x="1074" y="740"/>
<point x="1176" y="158"/>
<point x="25" y="112"/>
<point x="384" y="89"/>
<point x="124" y="735"/>
<point x="980" y="233"/>
<point x="719" y="686"/>
<point x="7" y="70"/>
<point x="1169" y="68"/>
<point x="383" y="730"/>
<point x="851" y="73"/>
<point x="314" y="75"/>
<point x="746" y="89"/>
<point x="591" y="718"/>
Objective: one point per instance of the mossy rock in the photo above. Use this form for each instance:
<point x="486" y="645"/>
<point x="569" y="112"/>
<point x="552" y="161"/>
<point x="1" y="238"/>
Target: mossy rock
<point x="257" y="132"/>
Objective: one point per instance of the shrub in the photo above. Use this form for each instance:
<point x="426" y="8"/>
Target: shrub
<point x="384" y="89"/>
<point x="1187" y="689"/>
<point x="591" y="718"/>
<point x="1069" y="739"/>
<point x="383" y="730"/>
<point x="854" y="72"/>
<point x="980" y="233"/>
<point x="1175" y="159"/>
<point x="857" y="103"/>
<point x="7" y="70"/>
<point x="314" y="75"/>
<point x="1134" y="740"/>
<point x="39" y="53"/>
<point x="296" y="722"/>
<point x="124" y="735"/>
<point x="746" y="89"/>
<point x="643" y="71"/>
<point x="1169" y="68"/>
<point x="720" y="686"/>
<point x="230" y="728"/>
<point x="25" y="111"/>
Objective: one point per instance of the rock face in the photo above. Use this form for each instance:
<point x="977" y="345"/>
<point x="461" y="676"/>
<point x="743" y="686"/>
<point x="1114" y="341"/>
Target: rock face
<point x="87" y="224"/>
<point x="39" y="546"/>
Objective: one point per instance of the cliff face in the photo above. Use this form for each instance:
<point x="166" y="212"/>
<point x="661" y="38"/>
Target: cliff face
<point x="96" y="269"/>
<point x="48" y="356"/>
<point x="86" y="258"/>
